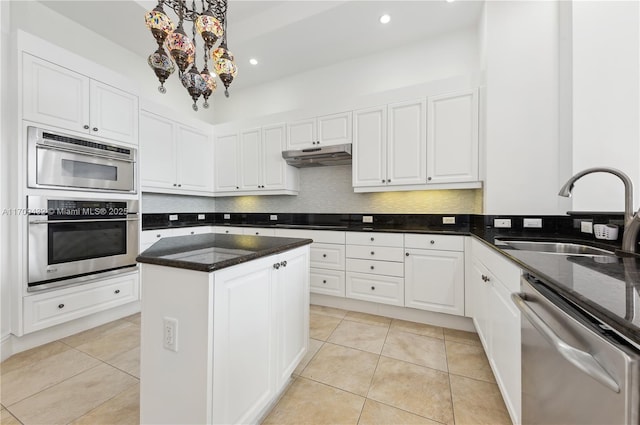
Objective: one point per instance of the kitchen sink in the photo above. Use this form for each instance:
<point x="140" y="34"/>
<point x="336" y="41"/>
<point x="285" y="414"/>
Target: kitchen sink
<point x="567" y="248"/>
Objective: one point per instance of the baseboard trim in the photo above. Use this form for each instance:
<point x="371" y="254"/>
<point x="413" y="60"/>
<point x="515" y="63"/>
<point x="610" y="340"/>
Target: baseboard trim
<point x="395" y="312"/>
<point x="12" y="344"/>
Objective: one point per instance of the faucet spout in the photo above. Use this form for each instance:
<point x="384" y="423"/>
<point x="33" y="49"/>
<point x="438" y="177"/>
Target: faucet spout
<point x="631" y="220"/>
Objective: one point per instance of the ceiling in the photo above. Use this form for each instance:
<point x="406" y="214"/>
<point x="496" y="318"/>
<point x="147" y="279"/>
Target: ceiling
<point x="287" y="37"/>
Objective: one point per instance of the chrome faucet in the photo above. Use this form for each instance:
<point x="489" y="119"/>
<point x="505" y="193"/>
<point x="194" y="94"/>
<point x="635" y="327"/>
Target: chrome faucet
<point x="631" y="220"/>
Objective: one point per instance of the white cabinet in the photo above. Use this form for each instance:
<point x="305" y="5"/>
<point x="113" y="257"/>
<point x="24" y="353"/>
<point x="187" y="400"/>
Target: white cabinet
<point x="259" y="231"/>
<point x="321" y="131"/>
<point x="229" y="230"/>
<point x="375" y="270"/>
<point x="63" y="98"/>
<point x="250" y="163"/>
<point x="390" y="146"/>
<point x="434" y="273"/>
<point x="452" y="137"/>
<point x="490" y="281"/>
<point x="149" y="237"/>
<point x="174" y="158"/>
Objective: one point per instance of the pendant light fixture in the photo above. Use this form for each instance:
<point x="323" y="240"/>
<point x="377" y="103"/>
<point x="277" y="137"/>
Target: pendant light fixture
<point x="210" y="21"/>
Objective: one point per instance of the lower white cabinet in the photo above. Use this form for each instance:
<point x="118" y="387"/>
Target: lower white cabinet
<point x="62" y="305"/>
<point x="241" y="331"/>
<point x="434" y="277"/>
<point x="490" y="281"/>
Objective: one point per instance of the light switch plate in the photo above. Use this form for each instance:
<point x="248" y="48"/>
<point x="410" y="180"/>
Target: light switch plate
<point x="534" y="223"/>
<point x="273" y="217"/>
<point x="173" y="217"/>
<point x="367" y="219"/>
<point x="227" y="216"/>
<point x="448" y="220"/>
<point x="502" y="223"/>
<point x="200" y="216"/>
<point x="586" y="227"/>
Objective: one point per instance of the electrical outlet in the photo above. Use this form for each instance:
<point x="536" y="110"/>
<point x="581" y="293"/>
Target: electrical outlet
<point x="534" y="223"/>
<point x="502" y="223"/>
<point x="227" y="216"/>
<point x="173" y="217"/>
<point x="273" y="217"/>
<point x="448" y="220"/>
<point x="200" y="216"/>
<point x="367" y="219"/>
<point x="586" y="226"/>
<point x="170" y="334"/>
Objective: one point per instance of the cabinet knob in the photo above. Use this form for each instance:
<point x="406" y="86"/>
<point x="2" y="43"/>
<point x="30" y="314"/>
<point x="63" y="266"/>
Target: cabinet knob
<point x="175" y="184"/>
<point x="383" y="180"/>
<point x="237" y="187"/>
<point x="388" y="180"/>
<point x="428" y="179"/>
<point x="372" y="239"/>
<point x="373" y="288"/>
<point x="95" y="128"/>
<point x="318" y="142"/>
<point x="117" y="291"/>
<point x="373" y="253"/>
<point x="486" y="278"/>
<point x="226" y="231"/>
<point x="372" y="267"/>
<point x="257" y="233"/>
<point x="276" y="266"/>
<point x="158" y="235"/>
<point x="432" y="242"/>
<point x="86" y="127"/>
<point x="284" y="264"/>
<point x="407" y="254"/>
<point x="60" y="305"/>
<point x="179" y="185"/>
<point x="324" y="255"/>
<point x="324" y="281"/>
<point x="193" y="233"/>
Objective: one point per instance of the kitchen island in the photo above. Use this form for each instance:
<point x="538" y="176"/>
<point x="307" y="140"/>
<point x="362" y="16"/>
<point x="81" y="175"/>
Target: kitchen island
<point x="225" y="321"/>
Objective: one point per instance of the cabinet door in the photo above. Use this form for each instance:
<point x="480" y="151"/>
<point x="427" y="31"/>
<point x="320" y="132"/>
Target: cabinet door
<point x="334" y="129"/>
<point x="194" y="160"/>
<point x="452" y="138"/>
<point x="54" y="95"/>
<point x="243" y="343"/>
<point x="292" y="298"/>
<point x="114" y="113"/>
<point x="226" y="163"/>
<point x="274" y="167"/>
<point x="370" y="147"/>
<point x="301" y="134"/>
<point x="407" y="143"/>
<point x="157" y="153"/>
<point x="434" y="280"/>
<point x="478" y="306"/>
<point x="250" y="163"/>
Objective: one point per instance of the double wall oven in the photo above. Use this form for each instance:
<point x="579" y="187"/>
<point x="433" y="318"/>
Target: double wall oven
<point x="75" y="239"/>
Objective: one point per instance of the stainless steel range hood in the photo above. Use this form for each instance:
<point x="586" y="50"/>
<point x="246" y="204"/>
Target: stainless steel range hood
<point x="320" y="156"/>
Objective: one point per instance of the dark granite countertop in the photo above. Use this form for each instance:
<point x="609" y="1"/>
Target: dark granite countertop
<point x="210" y="252"/>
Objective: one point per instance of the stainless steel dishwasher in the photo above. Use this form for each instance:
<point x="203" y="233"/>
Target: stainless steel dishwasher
<point x="575" y="370"/>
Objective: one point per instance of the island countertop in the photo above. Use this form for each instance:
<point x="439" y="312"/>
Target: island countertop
<point x="210" y="252"/>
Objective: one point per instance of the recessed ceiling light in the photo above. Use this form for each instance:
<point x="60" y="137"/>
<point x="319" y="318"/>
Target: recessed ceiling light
<point x="384" y="19"/>
<point x="450" y="1"/>
<point x="253" y="61"/>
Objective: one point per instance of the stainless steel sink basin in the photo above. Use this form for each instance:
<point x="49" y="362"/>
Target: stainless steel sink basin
<point x="566" y="248"/>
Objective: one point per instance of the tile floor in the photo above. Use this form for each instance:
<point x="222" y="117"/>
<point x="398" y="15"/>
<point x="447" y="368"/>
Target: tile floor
<point x="360" y="369"/>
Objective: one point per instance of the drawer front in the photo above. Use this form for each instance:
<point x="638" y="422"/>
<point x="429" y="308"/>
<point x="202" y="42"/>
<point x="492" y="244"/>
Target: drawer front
<point x="328" y="282"/>
<point x="153" y="236"/>
<point x="52" y="308"/>
<point x="439" y="242"/>
<point x="229" y="230"/>
<point x="327" y="256"/>
<point x="373" y="238"/>
<point x="259" y="231"/>
<point x="370" y="287"/>
<point x="383" y="253"/>
<point x="386" y="268"/>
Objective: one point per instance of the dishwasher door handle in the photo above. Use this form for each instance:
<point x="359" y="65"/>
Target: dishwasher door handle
<point x="580" y="359"/>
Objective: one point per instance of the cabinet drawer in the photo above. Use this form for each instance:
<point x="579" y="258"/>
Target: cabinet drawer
<point x="328" y="282"/>
<point x="327" y="256"/>
<point x="383" y="253"/>
<point x="373" y="238"/>
<point x="52" y="308"/>
<point x="439" y="242"/>
<point x="387" y="268"/>
<point x="259" y="231"/>
<point x="230" y="230"/>
<point x="371" y="287"/>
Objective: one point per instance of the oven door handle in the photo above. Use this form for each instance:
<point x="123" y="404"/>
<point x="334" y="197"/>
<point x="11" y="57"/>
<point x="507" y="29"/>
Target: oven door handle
<point x="95" y="220"/>
<point x="580" y="359"/>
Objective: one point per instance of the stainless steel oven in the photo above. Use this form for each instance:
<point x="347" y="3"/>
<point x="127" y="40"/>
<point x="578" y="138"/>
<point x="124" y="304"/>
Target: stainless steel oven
<point x="60" y="161"/>
<point x="76" y="240"/>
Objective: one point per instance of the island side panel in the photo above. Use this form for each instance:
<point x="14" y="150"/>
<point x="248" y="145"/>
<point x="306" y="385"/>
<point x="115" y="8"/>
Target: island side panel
<point x="176" y="386"/>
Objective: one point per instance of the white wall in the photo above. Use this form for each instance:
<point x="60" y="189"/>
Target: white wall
<point x="605" y="100"/>
<point x="449" y="55"/>
<point x="521" y="102"/>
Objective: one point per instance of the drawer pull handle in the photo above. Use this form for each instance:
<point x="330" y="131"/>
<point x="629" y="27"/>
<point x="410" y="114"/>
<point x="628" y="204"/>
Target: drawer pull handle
<point x="373" y="288"/>
<point x="432" y="242"/>
<point x="373" y="253"/>
<point x="60" y="305"/>
<point x="372" y="267"/>
<point x="324" y="255"/>
<point x="117" y="291"/>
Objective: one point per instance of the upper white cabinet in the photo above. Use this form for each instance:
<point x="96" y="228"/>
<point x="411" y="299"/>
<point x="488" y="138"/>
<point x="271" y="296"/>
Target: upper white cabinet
<point x="250" y="162"/>
<point x="320" y="131"/>
<point x="390" y="145"/>
<point x="452" y="137"/>
<point x="63" y="98"/>
<point x="174" y="158"/>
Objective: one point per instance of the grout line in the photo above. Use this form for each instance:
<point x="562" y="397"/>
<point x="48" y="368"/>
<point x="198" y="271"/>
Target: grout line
<point x="453" y="410"/>
<point x="406" y="411"/>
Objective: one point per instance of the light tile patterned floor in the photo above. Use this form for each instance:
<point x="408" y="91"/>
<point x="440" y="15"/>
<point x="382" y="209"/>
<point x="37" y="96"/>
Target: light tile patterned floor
<point x="360" y="369"/>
